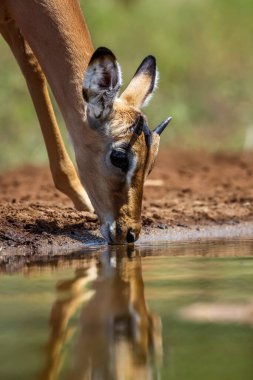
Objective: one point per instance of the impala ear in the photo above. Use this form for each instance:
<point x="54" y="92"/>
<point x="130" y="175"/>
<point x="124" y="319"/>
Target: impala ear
<point x="101" y="83"/>
<point x="139" y="91"/>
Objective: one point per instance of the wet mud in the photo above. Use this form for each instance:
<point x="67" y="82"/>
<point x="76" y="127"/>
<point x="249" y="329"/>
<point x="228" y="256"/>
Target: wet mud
<point x="189" y="192"/>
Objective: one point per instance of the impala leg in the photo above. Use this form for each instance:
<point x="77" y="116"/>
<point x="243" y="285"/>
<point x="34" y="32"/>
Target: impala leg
<point x="63" y="171"/>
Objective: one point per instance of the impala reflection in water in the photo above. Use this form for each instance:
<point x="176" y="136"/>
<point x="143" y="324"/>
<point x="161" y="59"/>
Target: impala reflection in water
<point x="85" y="316"/>
<point x="116" y="334"/>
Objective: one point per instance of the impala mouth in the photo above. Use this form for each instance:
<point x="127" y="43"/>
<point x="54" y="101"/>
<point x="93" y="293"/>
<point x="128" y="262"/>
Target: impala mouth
<point x="128" y="236"/>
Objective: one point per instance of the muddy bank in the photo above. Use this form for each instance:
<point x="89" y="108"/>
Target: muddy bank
<point x="196" y="190"/>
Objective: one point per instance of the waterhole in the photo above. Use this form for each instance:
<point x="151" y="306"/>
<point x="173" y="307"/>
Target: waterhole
<point x="172" y="311"/>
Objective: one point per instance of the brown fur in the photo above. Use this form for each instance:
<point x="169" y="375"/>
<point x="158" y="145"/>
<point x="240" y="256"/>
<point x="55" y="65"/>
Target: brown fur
<point x="51" y="43"/>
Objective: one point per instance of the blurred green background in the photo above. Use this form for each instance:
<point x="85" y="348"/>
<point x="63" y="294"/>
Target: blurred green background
<point x="205" y="57"/>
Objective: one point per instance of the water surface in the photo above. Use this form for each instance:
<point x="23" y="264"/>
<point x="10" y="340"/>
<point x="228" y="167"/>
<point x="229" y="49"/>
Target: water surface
<point x="176" y="311"/>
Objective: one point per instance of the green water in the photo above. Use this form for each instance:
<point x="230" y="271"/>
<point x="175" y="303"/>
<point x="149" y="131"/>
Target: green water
<point x="182" y="311"/>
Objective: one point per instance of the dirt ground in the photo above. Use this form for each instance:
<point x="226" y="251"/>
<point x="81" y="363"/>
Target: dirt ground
<point x="198" y="189"/>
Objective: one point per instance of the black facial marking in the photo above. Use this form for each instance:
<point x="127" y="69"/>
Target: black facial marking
<point x="138" y="128"/>
<point x="148" y="135"/>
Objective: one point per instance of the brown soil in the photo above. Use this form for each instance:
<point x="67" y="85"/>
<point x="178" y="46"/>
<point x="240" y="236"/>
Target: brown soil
<point x="198" y="189"/>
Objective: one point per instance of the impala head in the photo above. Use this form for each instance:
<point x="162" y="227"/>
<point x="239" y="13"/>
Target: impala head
<point x="122" y="149"/>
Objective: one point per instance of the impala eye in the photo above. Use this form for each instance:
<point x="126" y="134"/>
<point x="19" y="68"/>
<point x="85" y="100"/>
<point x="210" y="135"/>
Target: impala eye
<point x="119" y="159"/>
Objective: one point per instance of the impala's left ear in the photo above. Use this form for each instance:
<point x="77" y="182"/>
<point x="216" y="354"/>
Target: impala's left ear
<point x="101" y="83"/>
<point x="139" y="91"/>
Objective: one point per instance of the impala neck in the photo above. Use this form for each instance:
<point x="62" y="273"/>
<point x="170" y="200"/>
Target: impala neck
<point x="62" y="44"/>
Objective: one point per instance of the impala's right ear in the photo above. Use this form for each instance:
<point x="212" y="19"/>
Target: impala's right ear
<point x="140" y="89"/>
<point x="101" y="83"/>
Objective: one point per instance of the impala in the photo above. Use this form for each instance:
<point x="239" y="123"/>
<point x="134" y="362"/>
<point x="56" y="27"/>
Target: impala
<point x="116" y="335"/>
<point x="114" y="148"/>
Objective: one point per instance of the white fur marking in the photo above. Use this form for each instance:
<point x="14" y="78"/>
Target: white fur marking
<point x="131" y="171"/>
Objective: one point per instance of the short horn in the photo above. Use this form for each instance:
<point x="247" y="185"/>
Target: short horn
<point x="160" y="128"/>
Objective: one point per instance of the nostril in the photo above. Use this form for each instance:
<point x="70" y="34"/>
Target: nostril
<point x="130" y="236"/>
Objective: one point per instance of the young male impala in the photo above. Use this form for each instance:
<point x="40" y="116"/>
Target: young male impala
<point x="114" y="148"/>
<point x="104" y="307"/>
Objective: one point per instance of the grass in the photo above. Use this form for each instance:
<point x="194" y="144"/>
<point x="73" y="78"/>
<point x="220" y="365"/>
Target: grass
<point x="204" y="55"/>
